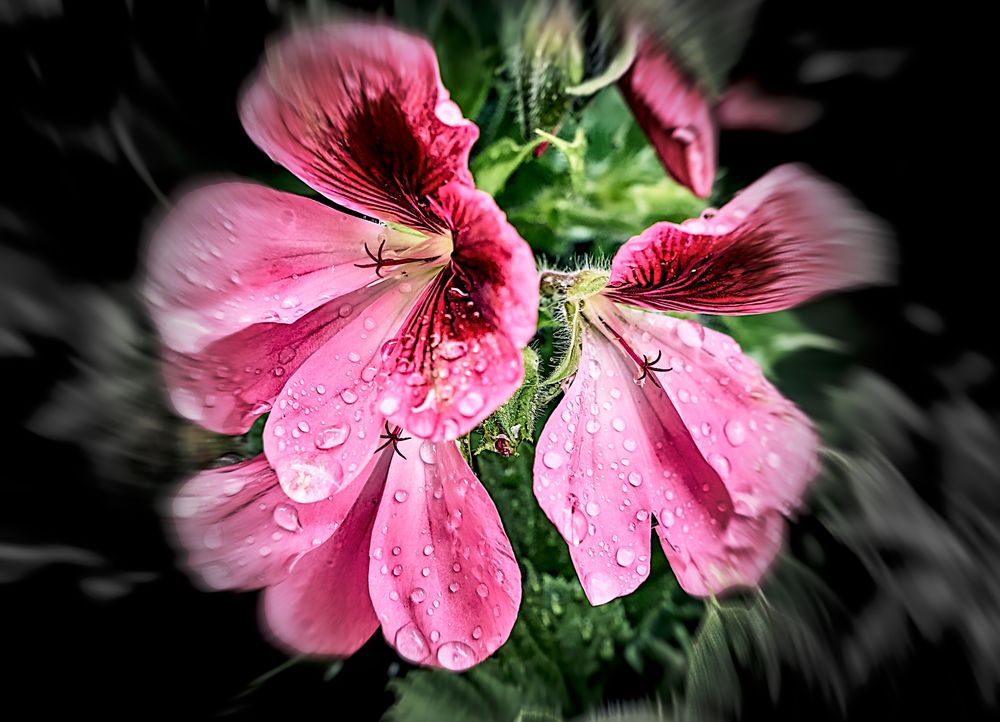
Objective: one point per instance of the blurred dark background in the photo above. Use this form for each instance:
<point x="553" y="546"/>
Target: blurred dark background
<point x="109" y="106"/>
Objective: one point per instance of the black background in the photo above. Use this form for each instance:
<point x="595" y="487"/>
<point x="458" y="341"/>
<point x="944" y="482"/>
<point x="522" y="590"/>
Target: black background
<point x="122" y="633"/>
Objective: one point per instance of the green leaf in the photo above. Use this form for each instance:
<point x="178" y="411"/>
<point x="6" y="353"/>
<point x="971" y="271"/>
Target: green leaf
<point x="574" y="152"/>
<point x="495" y="164"/>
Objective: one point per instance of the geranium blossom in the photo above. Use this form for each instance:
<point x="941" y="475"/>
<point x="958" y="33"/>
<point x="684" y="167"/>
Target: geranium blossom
<point x="353" y="334"/>
<point x="668" y="419"/>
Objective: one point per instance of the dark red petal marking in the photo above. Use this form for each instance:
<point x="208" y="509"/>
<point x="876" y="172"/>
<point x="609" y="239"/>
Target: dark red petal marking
<point x="359" y="113"/>
<point x="786" y="238"/>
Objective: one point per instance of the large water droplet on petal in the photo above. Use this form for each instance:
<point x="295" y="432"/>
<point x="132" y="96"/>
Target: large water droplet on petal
<point x="471" y="403"/>
<point x="552" y="459"/>
<point x="625" y="556"/>
<point x="428" y="452"/>
<point x="456" y="656"/>
<point x="333" y="436"/>
<point x="410" y="643"/>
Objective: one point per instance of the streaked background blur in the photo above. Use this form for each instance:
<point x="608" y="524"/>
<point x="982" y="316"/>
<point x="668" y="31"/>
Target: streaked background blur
<point x="109" y="106"/>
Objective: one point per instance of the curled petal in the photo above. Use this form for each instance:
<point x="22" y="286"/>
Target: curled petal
<point x="443" y="577"/>
<point x="616" y="454"/>
<point x="675" y="116"/>
<point x="357" y="111"/>
<point x="240" y="531"/>
<point x="231" y="255"/>
<point x="325" y="426"/>
<point x="323" y="607"/>
<point x="786" y="238"/>
<point x="458" y="357"/>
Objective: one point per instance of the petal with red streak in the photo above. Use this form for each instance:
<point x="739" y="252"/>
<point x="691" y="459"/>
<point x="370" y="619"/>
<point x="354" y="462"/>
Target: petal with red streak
<point x="443" y="577"/>
<point x="239" y="529"/>
<point x="675" y="116"/>
<point x="325" y="425"/>
<point x="786" y="238"/>
<point x="358" y="111"/>
<point x="323" y="607"/>
<point x="458" y="357"/>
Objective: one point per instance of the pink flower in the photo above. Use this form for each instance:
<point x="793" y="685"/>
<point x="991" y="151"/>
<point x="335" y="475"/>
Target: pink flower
<point x="415" y="546"/>
<point x="349" y="331"/>
<point x="669" y="419"/>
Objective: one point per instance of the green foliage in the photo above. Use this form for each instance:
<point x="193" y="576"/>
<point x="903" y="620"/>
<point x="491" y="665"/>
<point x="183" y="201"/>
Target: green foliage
<point x="514" y="422"/>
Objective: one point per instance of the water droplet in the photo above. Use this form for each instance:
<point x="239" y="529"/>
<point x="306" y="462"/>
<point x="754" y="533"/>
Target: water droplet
<point x="735" y="432"/>
<point x="410" y="643"/>
<point x="428" y="550"/>
<point x="593" y="508"/>
<point x="483" y="591"/>
<point x="625" y="556"/>
<point x="773" y="460"/>
<point x="635" y="478"/>
<point x="428" y="452"/>
<point x="721" y="464"/>
<point x="287" y="517"/>
<point x="691" y="334"/>
<point x="400" y="495"/>
<point x="453" y="350"/>
<point x="629" y="444"/>
<point x="578" y="526"/>
<point x="345" y="310"/>
<point x="456" y="656"/>
<point x="397" y="570"/>
<point x="477" y="632"/>
<point x="333" y="436"/>
<point x="303" y="427"/>
<point x="666" y="518"/>
<point x="552" y="459"/>
<point x="265" y="551"/>
<point x="453" y="587"/>
<point x="354" y="357"/>
<point x="471" y="403"/>
<point x="593" y="426"/>
<point x="418" y="595"/>
<point x="348" y="396"/>
<point x="618" y="424"/>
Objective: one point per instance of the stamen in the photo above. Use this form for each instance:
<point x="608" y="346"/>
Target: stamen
<point x="394" y="438"/>
<point x="379" y="261"/>
<point x="644" y="363"/>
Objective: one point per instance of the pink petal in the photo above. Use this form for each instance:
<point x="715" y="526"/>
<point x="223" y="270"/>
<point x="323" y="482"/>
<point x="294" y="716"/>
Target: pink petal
<point x="615" y="453"/>
<point x="443" y="577"/>
<point x="323" y="607"/>
<point x="760" y="443"/>
<point x="458" y="357"/>
<point x="357" y="111"/>
<point x="325" y="425"/>
<point x="232" y="255"/>
<point x="241" y="531"/>
<point x="234" y="380"/>
<point x="747" y="106"/>
<point x="674" y="115"/>
<point x="785" y="239"/>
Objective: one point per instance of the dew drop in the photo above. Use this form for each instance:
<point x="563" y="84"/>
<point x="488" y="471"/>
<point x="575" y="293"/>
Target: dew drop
<point x="625" y="556"/>
<point x="735" y="432"/>
<point x="635" y="478"/>
<point x="400" y="495"/>
<point x="418" y="595"/>
<point x="287" y="517"/>
<point x="333" y="436"/>
<point x="456" y="656"/>
<point x="691" y="334"/>
<point x="428" y="452"/>
<point x="618" y="424"/>
<point x="552" y="459"/>
<point x="483" y="591"/>
<point x="471" y="403"/>
<point x="410" y="643"/>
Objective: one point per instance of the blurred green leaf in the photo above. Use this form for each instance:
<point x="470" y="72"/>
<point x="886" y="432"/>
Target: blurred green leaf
<point x="514" y="421"/>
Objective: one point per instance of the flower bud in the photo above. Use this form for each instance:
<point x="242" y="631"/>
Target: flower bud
<point x="546" y="58"/>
